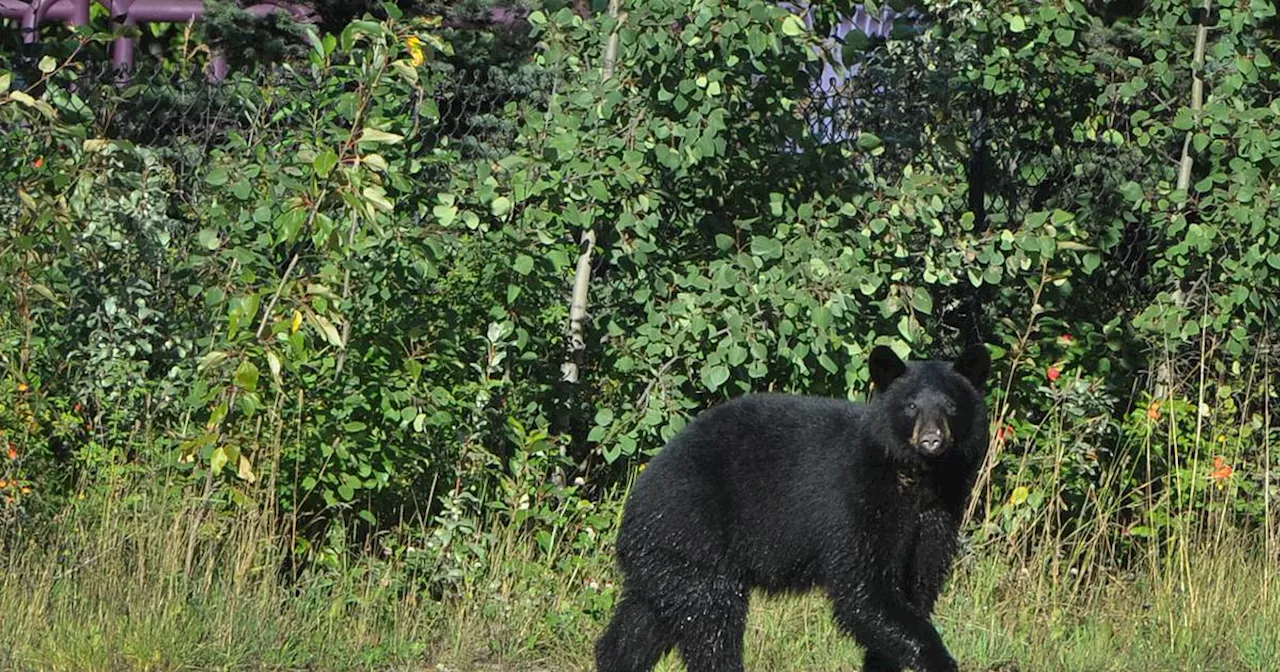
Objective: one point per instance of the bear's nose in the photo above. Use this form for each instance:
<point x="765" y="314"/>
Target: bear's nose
<point x="931" y="442"/>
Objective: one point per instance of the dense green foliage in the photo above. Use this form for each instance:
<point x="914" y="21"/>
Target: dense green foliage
<point x="343" y="287"/>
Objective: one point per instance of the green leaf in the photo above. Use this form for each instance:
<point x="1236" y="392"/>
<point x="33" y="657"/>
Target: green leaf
<point x="524" y="264"/>
<point x="217" y="177"/>
<point x="44" y="108"/>
<point x="273" y="363"/>
<point x="904" y="329"/>
<point x="714" y="376"/>
<point x="217" y="416"/>
<point x="1016" y="23"/>
<point x="247" y="375"/>
<point x="47" y="64"/>
<point x="211" y="360"/>
<point x="208" y="239"/>
<point x="290" y="223"/>
<point x="327" y="329"/>
<point x="218" y="459"/>
<point x="792" y="26"/>
<point x="1091" y="261"/>
<point x="325" y="162"/>
<point x="378" y="197"/>
<point x="406" y="70"/>
<point x="922" y="301"/>
<point x="1019" y="495"/>
<point x="766" y="248"/>
<point x="374" y="135"/>
<point x="244" y="470"/>
<point x="821" y="317"/>
<point x="500" y="206"/>
<point x="1132" y="191"/>
<point x="47" y="293"/>
<point x="868" y="140"/>
<point x="445" y="213"/>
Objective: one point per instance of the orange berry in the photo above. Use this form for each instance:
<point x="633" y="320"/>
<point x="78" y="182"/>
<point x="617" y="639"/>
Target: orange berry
<point x="1221" y="470"/>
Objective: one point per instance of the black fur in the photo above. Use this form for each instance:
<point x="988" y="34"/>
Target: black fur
<point x="788" y="493"/>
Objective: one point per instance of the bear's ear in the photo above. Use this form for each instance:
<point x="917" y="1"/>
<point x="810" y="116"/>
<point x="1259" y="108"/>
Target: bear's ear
<point x="885" y="366"/>
<point x="974" y="364"/>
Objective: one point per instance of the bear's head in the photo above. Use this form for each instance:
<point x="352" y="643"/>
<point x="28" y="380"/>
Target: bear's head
<point x="930" y="407"/>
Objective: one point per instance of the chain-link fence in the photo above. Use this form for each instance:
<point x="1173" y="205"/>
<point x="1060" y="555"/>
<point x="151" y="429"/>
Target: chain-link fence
<point x="469" y="109"/>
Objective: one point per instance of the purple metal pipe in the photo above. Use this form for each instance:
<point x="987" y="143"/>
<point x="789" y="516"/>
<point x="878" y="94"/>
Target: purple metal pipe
<point x="26" y="16"/>
<point x="122" y="47"/>
<point x="46" y="10"/>
<point x="163" y="11"/>
<point x="31" y="15"/>
<point x="299" y="12"/>
<point x="76" y="12"/>
<point x="80" y="13"/>
<point x="139" y="11"/>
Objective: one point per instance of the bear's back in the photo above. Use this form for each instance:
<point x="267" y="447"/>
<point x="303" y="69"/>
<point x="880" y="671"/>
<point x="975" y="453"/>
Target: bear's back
<point x="752" y="484"/>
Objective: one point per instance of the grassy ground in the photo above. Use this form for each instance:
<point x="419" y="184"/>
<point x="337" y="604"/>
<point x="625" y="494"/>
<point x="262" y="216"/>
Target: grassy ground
<point x="130" y="591"/>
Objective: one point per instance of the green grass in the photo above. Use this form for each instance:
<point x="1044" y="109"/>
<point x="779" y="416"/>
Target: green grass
<point x="119" y="595"/>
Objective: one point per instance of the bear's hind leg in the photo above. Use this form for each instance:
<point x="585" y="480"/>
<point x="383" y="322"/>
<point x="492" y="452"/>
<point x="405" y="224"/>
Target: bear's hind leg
<point x="875" y="662"/>
<point x="711" y="624"/>
<point x="636" y="639"/>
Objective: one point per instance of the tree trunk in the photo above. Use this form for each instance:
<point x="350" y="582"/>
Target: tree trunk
<point x="1164" y="370"/>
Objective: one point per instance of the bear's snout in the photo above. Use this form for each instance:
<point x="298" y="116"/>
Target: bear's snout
<point x="931" y="443"/>
<point x="932" y="436"/>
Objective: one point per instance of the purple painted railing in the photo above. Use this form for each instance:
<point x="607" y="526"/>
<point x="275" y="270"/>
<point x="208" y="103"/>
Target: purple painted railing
<point x="31" y="15"/>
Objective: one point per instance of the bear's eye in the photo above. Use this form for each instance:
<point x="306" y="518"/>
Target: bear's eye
<point x="911" y="406"/>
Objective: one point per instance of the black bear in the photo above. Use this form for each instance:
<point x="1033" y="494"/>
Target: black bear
<point x="787" y="493"/>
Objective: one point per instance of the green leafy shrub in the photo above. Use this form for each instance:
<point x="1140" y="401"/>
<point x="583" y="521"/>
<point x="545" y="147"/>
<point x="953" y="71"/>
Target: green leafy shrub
<point x="344" y="292"/>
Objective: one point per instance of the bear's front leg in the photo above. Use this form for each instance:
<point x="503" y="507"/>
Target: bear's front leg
<point x="892" y="631"/>
<point x="931" y="559"/>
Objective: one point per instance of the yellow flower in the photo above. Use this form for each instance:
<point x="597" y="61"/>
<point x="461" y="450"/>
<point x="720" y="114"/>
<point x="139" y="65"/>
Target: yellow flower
<point x="415" y="50"/>
<point x="297" y="321"/>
